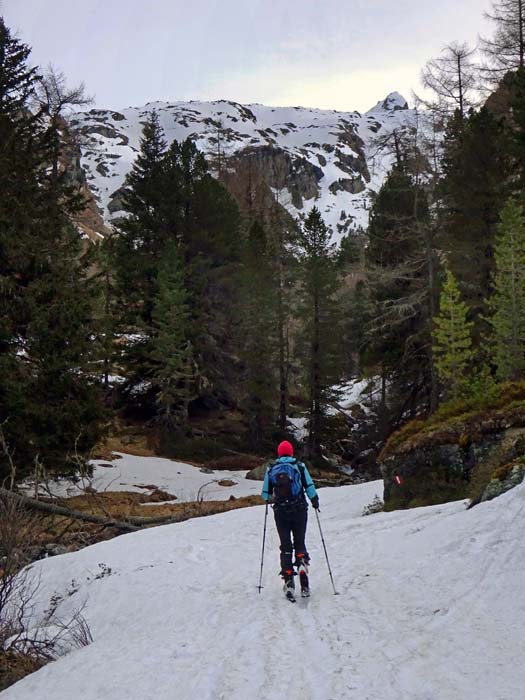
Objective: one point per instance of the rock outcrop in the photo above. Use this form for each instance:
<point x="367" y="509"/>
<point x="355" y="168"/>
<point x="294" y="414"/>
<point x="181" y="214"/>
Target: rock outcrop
<point x="303" y="156"/>
<point x="458" y="457"/>
<point x="89" y="221"/>
<point x="504" y="479"/>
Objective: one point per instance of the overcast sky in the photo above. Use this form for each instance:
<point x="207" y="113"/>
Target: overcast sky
<point x="334" y="54"/>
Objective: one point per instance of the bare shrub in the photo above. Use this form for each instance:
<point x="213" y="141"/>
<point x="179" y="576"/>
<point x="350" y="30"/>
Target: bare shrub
<point x="27" y="641"/>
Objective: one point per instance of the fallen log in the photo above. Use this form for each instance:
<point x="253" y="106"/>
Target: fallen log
<point x="46" y="507"/>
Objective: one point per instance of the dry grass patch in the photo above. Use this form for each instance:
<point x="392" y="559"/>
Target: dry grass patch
<point x="15" y="666"/>
<point x="121" y="505"/>
<point x="237" y="462"/>
<point x="137" y="445"/>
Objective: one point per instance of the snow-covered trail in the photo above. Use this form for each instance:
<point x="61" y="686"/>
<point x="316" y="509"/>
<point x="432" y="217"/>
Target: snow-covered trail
<point x="431" y="607"/>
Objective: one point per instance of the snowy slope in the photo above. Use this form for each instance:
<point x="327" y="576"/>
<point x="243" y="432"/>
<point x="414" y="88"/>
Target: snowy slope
<point x="431" y="607"/>
<point x="336" y="146"/>
<point x="144" y="474"/>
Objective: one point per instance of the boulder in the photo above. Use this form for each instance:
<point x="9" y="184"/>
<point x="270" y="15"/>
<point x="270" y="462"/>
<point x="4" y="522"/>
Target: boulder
<point x="258" y="473"/>
<point x="506" y="480"/>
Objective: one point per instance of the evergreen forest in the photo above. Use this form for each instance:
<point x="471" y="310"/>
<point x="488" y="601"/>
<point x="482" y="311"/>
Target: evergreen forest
<point x="204" y="302"/>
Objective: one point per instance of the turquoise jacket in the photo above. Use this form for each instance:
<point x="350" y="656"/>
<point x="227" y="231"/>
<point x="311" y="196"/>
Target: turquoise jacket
<point x="310" y="488"/>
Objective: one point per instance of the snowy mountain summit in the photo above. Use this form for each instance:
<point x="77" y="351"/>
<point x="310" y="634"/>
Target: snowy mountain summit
<point x="308" y="156"/>
<point x="392" y="103"/>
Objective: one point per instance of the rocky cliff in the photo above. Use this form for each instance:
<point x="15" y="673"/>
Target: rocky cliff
<point x="303" y="156"/>
<point x="89" y="221"/>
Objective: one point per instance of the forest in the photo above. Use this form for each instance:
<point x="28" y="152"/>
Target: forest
<point x="202" y="301"/>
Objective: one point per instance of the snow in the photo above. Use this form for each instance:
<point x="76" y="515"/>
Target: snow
<point x="301" y="132"/>
<point x="184" y="481"/>
<point x="299" y="427"/>
<point x="392" y="102"/>
<point x="353" y="392"/>
<point x="431" y="607"/>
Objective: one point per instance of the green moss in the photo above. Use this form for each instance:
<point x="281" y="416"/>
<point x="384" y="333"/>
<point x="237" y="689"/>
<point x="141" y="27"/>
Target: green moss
<point x="458" y="421"/>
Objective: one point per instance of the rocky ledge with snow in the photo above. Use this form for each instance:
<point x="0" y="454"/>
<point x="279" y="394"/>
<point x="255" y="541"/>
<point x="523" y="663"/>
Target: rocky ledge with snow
<point x="309" y="156"/>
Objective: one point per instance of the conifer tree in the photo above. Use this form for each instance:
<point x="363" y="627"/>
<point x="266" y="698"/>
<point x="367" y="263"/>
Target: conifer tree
<point x="259" y="331"/>
<point x="476" y="167"/>
<point x="174" y="204"/>
<point x="49" y="399"/>
<point x="453" y="353"/>
<point x="319" y="281"/>
<point x="453" y="78"/>
<point x="505" y="50"/>
<point x="282" y="239"/>
<point x="107" y="312"/>
<point x="507" y="303"/>
<point x="400" y="282"/>
<point x="171" y="357"/>
<point x="516" y="83"/>
<point x="142" y="235"/>
<point x="213" y="244"/>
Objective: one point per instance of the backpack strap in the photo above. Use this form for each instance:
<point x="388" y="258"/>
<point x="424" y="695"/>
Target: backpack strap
<point x="300" y="466"/>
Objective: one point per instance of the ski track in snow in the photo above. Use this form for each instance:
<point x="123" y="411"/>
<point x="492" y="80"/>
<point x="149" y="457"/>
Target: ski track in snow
<point x="430" y="608"/>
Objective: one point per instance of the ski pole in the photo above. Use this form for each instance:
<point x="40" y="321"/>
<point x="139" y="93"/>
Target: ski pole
<point x="262" y="553"/>
<point x="325" y="552"/>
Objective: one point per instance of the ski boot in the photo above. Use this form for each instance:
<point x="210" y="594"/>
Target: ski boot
<point x="289" y="585"/>
<point x="302" y="570"/>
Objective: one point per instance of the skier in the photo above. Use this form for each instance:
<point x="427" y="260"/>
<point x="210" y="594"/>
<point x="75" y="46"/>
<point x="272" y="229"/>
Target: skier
<point x="285" y="482"/>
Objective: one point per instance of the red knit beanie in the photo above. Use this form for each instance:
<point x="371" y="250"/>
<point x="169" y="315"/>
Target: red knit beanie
<point x="285" y="449"/>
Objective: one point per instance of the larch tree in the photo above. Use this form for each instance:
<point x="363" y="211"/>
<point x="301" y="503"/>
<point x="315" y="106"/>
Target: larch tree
<point x="452" y="340"/>
<point x="505" y="50"/>
<point x="453" y="79"/>
<point x="54" y="98"/>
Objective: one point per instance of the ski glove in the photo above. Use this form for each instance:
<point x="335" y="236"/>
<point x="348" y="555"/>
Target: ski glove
<point x="315" y="502"/>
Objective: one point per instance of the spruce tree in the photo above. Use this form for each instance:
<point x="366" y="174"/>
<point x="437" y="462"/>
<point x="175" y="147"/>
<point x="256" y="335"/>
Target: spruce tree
<point x="259" y="329"/>
<point x="476" y="168"/>
<point x="174" y="204"/>
<point x="452" y="348"/>
<point x="507" y="303"/>
<point x="400" y="292"/>
<point x="153" y="221"/>
<point x="49" y="396"/>
<point x="142" y="235"/>
<point x="213" y="243"/>
<point x="171" y="358"/>
<point x="318" y="273"/>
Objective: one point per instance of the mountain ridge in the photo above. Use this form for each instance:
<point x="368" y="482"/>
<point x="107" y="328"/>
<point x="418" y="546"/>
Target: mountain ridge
<point x="327" y="157"/>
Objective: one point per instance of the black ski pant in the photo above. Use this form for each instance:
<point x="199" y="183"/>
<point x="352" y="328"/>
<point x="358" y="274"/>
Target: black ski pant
<point x="291" y="523"/>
